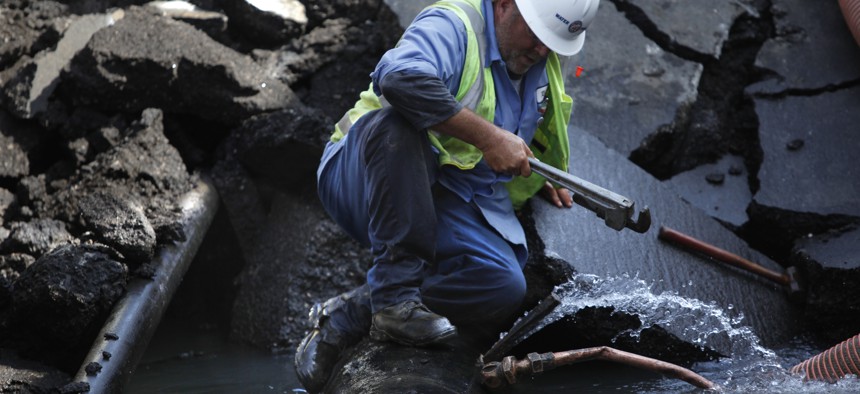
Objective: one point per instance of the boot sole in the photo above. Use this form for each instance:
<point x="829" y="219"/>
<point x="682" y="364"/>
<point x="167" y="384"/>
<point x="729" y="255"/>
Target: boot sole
<point x="382" y="336"/>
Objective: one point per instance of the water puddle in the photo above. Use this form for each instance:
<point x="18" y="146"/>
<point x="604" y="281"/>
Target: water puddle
<point x="188" y="357"/>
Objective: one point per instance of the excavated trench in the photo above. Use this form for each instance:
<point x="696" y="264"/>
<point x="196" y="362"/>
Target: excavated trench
<point x="90" y="187"/>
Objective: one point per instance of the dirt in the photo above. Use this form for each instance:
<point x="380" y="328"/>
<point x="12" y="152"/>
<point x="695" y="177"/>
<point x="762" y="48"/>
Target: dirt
<point x="89" y="181"/>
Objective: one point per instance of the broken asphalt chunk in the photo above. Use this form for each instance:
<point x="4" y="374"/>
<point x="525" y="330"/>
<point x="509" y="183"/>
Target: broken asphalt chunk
<point x="807" y="30"/>
<point x="197" y="75"/>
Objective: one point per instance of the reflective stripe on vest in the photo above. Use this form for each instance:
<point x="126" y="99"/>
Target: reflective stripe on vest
<point x="476" y="91"/>
<point x="475" y="80"/>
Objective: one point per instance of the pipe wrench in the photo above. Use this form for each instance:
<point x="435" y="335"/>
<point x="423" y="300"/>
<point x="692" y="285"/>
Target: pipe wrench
<point x="616" y="210"/>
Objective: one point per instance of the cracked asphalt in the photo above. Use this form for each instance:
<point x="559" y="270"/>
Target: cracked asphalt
<point x="736" y="119"/>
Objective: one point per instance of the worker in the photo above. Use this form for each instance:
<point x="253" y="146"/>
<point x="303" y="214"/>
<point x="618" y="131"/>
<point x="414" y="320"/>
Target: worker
<point x="431" y="164"/>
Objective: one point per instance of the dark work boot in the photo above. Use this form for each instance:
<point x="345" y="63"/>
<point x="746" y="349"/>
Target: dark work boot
<point x="315" y="359"/>
<point x="321" y="348"/>
<point x="410" y="323"/>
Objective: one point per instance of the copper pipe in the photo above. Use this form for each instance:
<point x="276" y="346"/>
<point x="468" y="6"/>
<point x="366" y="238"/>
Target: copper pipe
<point x="497" y="374"/>
<point x="696" y="245"/>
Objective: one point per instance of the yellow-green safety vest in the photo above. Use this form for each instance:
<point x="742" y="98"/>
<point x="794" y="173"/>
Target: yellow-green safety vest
<point x="477" y="92"/>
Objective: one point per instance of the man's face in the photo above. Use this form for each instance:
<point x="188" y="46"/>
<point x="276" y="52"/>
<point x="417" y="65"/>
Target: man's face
<point x="519" y="47"/>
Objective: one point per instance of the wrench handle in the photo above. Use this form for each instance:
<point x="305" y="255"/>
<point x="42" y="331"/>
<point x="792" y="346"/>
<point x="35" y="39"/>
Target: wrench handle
<point x="615" y="209"/>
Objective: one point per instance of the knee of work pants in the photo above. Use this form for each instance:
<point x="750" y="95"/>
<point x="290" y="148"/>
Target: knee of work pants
<point x="346" y="173"/>
<point x="478" y="276"/>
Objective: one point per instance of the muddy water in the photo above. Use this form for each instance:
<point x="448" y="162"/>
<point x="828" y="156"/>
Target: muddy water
<point x="192" y="357"/>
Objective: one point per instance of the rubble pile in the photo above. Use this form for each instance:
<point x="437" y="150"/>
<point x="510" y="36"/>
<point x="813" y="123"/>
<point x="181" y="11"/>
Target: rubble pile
<point x="111" y="111"/>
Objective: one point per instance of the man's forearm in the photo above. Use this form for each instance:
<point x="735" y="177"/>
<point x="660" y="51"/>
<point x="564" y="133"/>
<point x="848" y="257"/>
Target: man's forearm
<point x="423" y="100"/>
<point x="426" y="102"/>
<point x="503" y="151"/>
<point x="471" y="128"/>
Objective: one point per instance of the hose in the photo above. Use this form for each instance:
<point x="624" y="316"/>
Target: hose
<point x="851" y="12"/>
<point x="833" y="363"/>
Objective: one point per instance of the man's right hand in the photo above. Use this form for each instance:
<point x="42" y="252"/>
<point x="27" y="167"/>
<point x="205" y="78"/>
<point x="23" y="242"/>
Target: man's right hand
<point x="505" y="152"/>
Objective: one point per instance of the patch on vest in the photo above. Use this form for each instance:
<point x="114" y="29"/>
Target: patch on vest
<point x="542" y="98"/>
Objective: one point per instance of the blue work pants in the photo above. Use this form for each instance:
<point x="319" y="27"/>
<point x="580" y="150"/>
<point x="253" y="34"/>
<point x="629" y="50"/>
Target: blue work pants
<point x="379" y="184"/>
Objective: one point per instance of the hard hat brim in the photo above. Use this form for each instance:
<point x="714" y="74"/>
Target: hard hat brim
<point x="568" y="48"/>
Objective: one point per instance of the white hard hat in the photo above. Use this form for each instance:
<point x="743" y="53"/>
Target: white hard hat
<point x="559" y="24"/>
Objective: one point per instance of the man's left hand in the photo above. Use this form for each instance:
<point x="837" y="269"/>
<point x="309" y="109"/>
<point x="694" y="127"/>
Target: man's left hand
<point x="559" y="197"/>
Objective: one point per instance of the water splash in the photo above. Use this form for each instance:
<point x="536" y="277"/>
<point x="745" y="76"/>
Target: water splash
<point x="691" y="320"/>
<point x="748" y="365"/>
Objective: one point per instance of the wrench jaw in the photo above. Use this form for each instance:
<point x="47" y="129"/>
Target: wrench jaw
<point x="616" y="210"/>
<point x="642" y="224"/>
<point x="613" y="216"/>
<point x="616" y="217"/>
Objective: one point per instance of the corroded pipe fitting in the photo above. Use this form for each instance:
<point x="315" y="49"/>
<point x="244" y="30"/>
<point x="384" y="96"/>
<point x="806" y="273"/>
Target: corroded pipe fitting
<point x="508" y="369"/>
<point x="490" y="375"/>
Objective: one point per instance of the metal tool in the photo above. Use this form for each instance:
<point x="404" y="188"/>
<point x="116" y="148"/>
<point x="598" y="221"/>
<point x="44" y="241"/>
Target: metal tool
<point x="789" y="279"/>
<point x="616" y="210"/>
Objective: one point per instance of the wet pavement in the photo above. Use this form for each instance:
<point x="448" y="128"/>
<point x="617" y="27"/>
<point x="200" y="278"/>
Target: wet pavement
<point x="810" y="144"/>
<point x="580" y="238"/>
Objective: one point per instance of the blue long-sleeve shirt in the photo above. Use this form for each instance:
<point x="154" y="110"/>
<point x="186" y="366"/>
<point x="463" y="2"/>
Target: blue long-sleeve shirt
<point x="420" y="78"/>
<point x="434" y="46"/>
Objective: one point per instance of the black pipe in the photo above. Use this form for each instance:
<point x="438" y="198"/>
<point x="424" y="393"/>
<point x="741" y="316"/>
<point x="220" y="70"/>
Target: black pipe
<point x="521" y="328"/>
<point x="127" y="331"/>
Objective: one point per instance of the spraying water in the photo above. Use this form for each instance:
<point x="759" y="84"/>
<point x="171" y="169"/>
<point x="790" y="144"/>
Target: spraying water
<point x="749" y="366"/>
